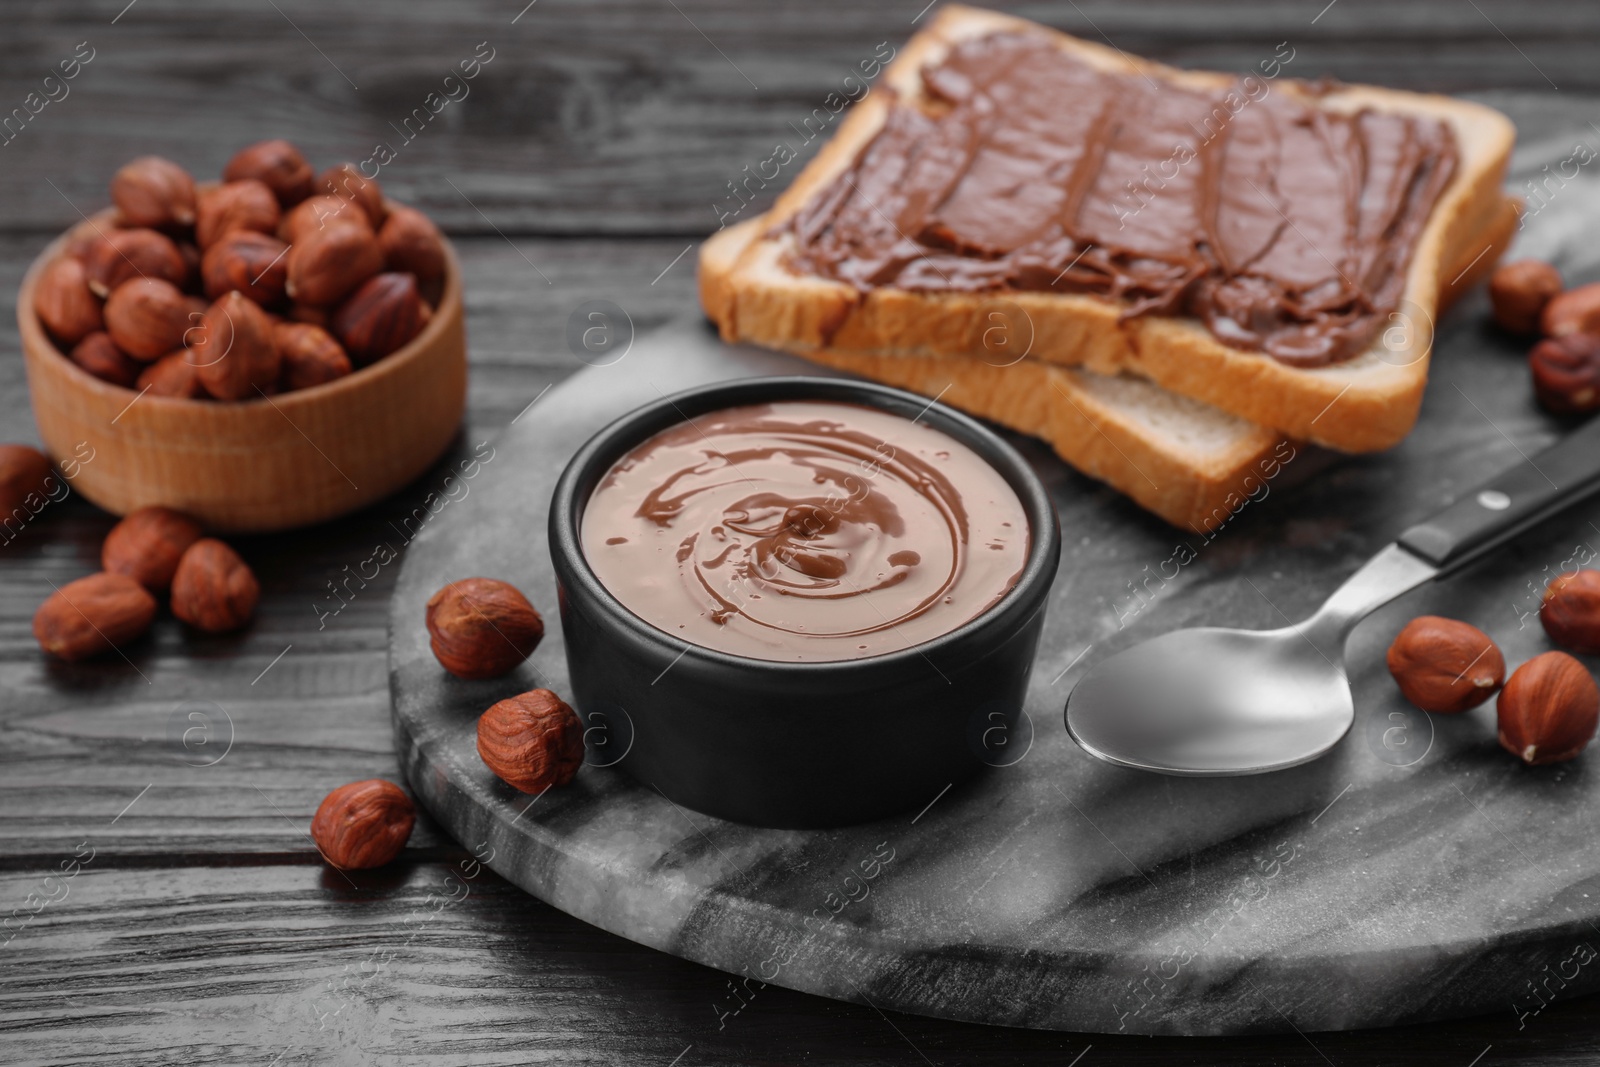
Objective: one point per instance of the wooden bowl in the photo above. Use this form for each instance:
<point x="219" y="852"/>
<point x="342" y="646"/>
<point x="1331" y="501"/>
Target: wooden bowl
<point x="255" y="465"/>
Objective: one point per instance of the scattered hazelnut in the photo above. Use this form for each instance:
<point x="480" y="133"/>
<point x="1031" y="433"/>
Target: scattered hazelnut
<point x="1566" y="373"/>
<point x="1519" y="292"/>
<point x="531" y="742"/>
<point x="151" y="191"/>
<point x="213" y="589"/>
<point x="1574" y="311"/>
<point x="327" y="265"/>
<point x="232" y="350"/>
<point x="363" y="824"/>
<point x="380" y="317"/>
<point x="309" y="354"/>
<point x="93" y="615"/>
<point x="253" y="263"/>
<point x="321" y="212"/>
<point x="99" y="355"/>
<point x="116" y="256"/>
<point x="1443" y="665"/>
<point x="171" y="376"/>
<point x="64" y="302"/>
<point x="276" y="164"/>
<point x="147" y="317"/>
<point x="147" y="545"/>
<point x="412" y="243"/>
<point x="241" y="205"/>
<point x="1548" y="709"/>
<point x="24" y="472"/>
<point x="482" y="628"/>
<point x="346" y="181"/>
<point x="1570" y="611"/>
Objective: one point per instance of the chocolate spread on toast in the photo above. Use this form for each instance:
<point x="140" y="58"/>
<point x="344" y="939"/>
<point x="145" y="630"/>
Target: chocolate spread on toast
<point x="1285" y="227"/>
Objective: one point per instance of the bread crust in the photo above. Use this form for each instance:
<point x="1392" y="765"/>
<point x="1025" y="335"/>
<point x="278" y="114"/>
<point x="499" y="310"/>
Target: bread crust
<point x="1365" y="404"/>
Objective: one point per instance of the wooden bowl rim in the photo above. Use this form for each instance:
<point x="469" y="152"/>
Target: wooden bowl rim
<point x="30" y="327"/>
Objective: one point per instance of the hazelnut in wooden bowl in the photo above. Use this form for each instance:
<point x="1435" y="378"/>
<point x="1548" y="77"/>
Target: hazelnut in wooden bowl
<point x="304" y="436"/>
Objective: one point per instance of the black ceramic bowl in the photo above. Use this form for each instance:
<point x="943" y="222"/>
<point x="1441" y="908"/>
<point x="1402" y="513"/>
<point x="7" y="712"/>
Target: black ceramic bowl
<point x="798" y="744"/>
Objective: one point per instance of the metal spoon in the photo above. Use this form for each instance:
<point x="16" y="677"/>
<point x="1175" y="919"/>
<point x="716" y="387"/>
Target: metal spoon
<point x="1211" y="702"/>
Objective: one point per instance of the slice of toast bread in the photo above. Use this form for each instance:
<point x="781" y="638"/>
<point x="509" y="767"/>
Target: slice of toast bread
<point x="1188" y="462"/>
<point x="1363" y="404"/>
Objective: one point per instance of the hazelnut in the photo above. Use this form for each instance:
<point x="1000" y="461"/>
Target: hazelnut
<point x="147" y="545"/>
<point x="93" y="615"/>
<point x="172" y="376"/>
<point x="191" y="256"/>
<point x="531" y="742"/>
<point x="24" y="472"/>
<point x="99" y="355"/>
<point x="327" y="265"/>
<point x="363" y="824"/>
<point x="380" y="317"/>
<point x="151" y="191"/>
<point x="242" y="205"/>
<point x="253" y="263"/>
<point x="309" y="354"/>
<point x="147" y="317"/>
<point x="1574" y="311"/>
<point x="1446" y="666"/>
<point x="346" y="181"/>
<point x="79" y="240"/>
<point x="213" y="589"/>
<point x="232" y="350"/>
<point x="1548" y="709"/>
<point x="64" y="302"/>
<point x="117" y="256"/>
<point x="1570" y="611"/>
<point x="412" y="243"/>
<point x="321" y="213"/>
<point x="1519" y="292"/>
<point x="1566" y="373"/>
<point x="276" y="164"/>
<point x="482" y="628"/>
<point x="311" y="315"/>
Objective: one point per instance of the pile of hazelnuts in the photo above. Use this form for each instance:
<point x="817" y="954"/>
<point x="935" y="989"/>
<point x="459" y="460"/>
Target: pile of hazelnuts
<point x="1548" y="710"/>
<point x="478" y="628"/>
<point x="273" y="280"/>
<point x="151" y="553"/>
<point x="1530" y="299"/>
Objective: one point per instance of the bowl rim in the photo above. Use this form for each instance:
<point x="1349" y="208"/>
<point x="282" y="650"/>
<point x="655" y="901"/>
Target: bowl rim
<point x="34" y="335"/>
<point x="1020" y="603"/>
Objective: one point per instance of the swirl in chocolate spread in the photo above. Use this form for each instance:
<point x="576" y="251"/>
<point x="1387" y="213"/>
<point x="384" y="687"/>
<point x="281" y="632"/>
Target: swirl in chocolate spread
<point x="805" y="530"/>
<point x="1285" y="227"/>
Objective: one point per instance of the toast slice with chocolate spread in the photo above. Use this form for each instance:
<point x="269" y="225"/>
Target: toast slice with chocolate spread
<point x="1274" y="250"/>
<point x="1192" y="464"/>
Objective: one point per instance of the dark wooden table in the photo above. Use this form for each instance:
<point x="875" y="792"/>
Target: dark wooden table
<point x="587" y="157"/>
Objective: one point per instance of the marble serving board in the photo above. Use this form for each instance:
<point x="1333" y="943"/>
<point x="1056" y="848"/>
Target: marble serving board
<point x="1416" y="872"/>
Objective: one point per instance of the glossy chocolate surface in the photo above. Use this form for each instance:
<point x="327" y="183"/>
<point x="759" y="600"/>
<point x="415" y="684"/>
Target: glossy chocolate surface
<point x="805" y="531"/>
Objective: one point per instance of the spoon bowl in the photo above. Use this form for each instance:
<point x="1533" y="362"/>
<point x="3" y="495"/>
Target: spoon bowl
<point x="1213" y="701"/>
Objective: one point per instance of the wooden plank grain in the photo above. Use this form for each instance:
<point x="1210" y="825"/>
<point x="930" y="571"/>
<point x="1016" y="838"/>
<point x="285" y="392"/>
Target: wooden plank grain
<point x="239" y="736"/>
<point x="620" y="116"/>
<point x="439" y="960"/>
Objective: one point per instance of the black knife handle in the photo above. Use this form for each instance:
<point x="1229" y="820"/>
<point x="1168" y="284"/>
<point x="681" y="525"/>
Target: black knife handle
<point x="1504" y="506"/>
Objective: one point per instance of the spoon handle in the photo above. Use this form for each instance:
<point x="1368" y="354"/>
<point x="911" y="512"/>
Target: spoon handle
<point x="1511" y="502"/>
